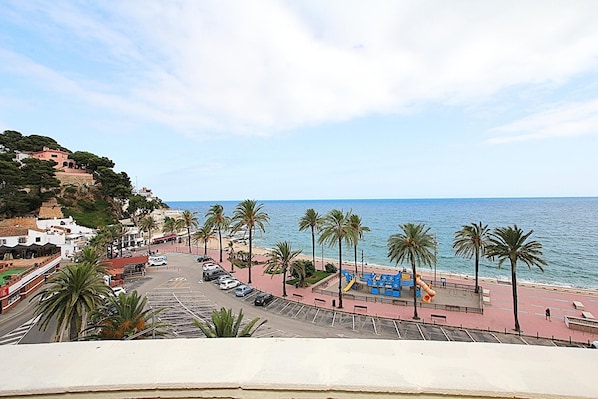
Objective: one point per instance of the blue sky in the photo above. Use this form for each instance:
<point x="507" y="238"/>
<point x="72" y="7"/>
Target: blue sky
<point x="227" y="100"/>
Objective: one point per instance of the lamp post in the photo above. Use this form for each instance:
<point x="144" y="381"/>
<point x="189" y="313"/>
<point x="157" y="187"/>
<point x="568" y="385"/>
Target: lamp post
<point x="435" y="257"/>
<point x="362" y="262"/>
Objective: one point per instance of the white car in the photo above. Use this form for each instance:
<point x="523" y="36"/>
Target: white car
<point x="116" y="291"/>
<point x="210" y="266"/>
<point x="157" y="260"/>
<point x="228" y="284"/>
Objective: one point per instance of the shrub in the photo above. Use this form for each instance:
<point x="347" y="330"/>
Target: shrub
<point x="330" y="268"/>
<point x="306" y="265"/>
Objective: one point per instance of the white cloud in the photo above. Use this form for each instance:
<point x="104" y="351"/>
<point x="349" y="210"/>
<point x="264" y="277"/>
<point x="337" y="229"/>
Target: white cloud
<point x="561" y="121"/>
<point x="258" y="67"/>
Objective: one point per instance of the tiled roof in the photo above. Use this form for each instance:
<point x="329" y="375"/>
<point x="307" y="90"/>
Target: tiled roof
<point x="13" y="231"/>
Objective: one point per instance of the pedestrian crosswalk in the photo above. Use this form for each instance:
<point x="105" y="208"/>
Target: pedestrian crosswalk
<point x="16" y="335"/>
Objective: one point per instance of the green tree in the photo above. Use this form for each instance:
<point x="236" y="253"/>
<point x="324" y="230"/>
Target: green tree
<point x="216" y="217"/>
<point x="125" y="316"/>
<point x="71" y="294"/>
<point x="414" y="245"/>
<point x="189" y="221"/>
<point x="335" y="230"/>
<point x="311" y="220"/>
<point x="148" y="224"/>
<point x="358" y="230"/>
<point x="249" y="215"/>
<point x="470" y="242"/>
<point x="170" y="226"/>
<point x="203" y="235"/>
<point x="225" y="325"/>
<point x="279" y="260"/>
<point x="510" y="243"/>
<point x="91" y="162"/>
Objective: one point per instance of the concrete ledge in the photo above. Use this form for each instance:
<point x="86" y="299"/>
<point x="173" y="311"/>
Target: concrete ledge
<point x="295" y="367"/>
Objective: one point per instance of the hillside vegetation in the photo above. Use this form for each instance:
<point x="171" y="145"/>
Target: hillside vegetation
<point x="26" y="184"/>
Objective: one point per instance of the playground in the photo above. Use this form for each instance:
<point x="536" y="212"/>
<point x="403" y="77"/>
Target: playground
<point x="397" y="289"/>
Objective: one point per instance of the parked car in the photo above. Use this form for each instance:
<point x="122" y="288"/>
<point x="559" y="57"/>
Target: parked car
<point x="223" y="278"/>
<point x="210" y="275"/>
<point x="116" y="291"/>
<point x="243" y="290"/>
<point x="228" y="284"/>
<point x="210" y="266"/>
<point x="263" y="299"/>
<point x="204" y="258"/>
<point x="157" y="260"/>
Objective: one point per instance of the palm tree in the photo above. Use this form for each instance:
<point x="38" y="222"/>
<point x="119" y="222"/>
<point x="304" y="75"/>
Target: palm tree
<point x="90" y="255"/>
<point x="204" y="234"/>
<point x="416" y="246"/>
<point x="510" y="243"/>
<point x="249" y="215"/>
<point x="189" y="221"/>
<point x="311" y="220"/>
<point x="231" y="256"/>
<point x="471" y="241"/>
<point x="170" y="226"/>
<point x="125" y="317"/>
<point x="358" y="230"/>
<point x="280" y="258"/>
<point x="72" y="293"/>
<point x="215" y="217"/>
<point x="336" y="229"/>
<point x="224" y="325"/>
<point x="148" y="223"/>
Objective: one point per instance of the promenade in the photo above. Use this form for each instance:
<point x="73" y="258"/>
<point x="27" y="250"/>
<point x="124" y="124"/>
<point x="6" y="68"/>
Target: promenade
<point x="497" y="315"/>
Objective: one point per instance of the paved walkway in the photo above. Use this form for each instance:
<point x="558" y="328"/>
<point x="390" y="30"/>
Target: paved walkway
<point x="497" y="316"/>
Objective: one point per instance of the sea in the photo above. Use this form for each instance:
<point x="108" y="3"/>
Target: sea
<point x="567" y="228"/>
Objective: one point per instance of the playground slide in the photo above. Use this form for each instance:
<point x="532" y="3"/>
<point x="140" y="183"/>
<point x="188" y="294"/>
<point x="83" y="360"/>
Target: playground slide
<point x="429" y="291"/>
<point x="348" y="286"/>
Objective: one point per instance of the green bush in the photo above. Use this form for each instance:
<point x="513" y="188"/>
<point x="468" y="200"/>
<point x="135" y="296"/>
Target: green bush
<point x="330" y="268"/>
<point x="307" y="265"/>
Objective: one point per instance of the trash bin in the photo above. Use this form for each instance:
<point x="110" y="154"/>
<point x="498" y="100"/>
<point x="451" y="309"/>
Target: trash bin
<point x="296" y="285"/>
<point x="334" y="303"/>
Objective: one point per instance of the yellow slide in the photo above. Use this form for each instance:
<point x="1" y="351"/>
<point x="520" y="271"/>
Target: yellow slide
<point x="348" y="286"/>
<point x="429" y="291"/>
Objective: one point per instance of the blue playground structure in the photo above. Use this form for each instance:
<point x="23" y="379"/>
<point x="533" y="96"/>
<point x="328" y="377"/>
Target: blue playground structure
<point x="388" y="284"/>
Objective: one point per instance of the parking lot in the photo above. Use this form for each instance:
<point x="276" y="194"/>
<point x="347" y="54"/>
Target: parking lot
<point x="185" y="297"/>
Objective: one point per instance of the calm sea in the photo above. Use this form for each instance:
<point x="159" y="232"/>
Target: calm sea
<point x="567" y="228"/>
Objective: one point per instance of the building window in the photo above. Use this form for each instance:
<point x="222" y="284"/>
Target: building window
<point x="22" y="240"/>
<point x="3" y="241"/>
<point x="38" y="239"/>
<point x="54" y="155"/>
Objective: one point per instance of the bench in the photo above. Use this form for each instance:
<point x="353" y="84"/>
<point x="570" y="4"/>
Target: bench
<point x="587" y="315"/>
<point x="438" y="316"/>
<point x="360" y="307"/>
<point x="298" y="296"/>
<point x="319" y="301"/>
<point x="578" y="305"/>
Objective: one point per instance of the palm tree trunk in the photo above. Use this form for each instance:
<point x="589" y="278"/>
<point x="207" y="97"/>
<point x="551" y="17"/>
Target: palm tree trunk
<point x="73" y="331"/>
<point x="149" y="243"/>
<point x="340" y="275"/>
<point x="189" y="238"/>
<point x="355" y="260"/>
<point x="415" y="316"/>
<point x="205" y="247"/>
<point x="514" y="286"/>
<point x="313" y="248"/>
<point x="284" y="282"/>
<point x="220" y="241"/>
<point x="250" y="242"/>
<point x="477" y="266"/>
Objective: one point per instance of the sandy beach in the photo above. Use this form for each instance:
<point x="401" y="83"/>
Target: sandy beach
<point x="533" y="299"/>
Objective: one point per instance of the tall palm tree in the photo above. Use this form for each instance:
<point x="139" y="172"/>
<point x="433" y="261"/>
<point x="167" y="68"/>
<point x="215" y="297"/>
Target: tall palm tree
<point x="249" y="215"/>
<point x="414" y="245"/>
<point x="189" y="221"/>
<point x="170" y="226"/>
<point x="204" y="235"/>
<point x="311" y="220"/>
<point x="148" y="223"/>
<point x="125" y="316"/>
<point x="471" y="241"/>
<point x="510" y="243"/>
<point x="71" y="295"/>
<point x="225" y="325"/>
<point x="215" y="216"/>
<point x="335" y="230"/>
<point x="358" y="230"/>
<point x="280" y="258"/>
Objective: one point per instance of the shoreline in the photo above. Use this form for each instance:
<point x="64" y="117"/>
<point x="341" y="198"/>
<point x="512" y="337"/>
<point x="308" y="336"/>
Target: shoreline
<point x="429" y="274"/>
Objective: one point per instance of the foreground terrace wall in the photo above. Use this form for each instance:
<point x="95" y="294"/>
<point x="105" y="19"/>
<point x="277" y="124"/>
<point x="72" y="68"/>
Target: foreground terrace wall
<point x="285" y="368"/>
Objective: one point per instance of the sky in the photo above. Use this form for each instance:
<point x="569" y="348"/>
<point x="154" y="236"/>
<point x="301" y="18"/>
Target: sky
<point x="281" y="100"/>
